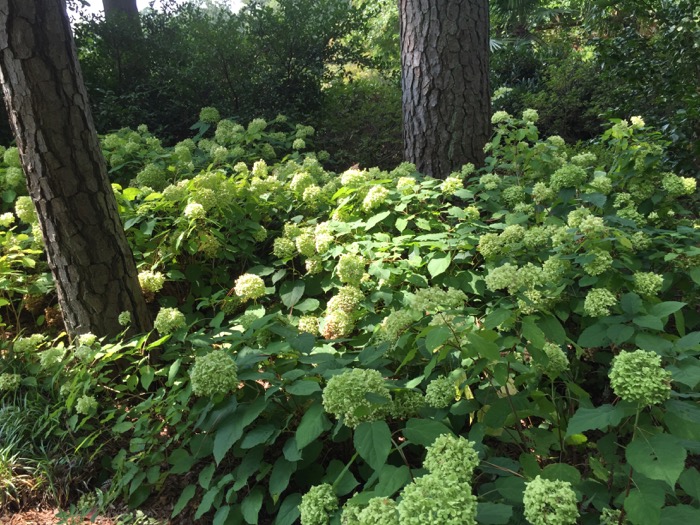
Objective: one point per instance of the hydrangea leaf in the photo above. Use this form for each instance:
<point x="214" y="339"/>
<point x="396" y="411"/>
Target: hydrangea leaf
<point x="291" y="292"/>
<point x="288" y="512"/>
<point x="221" y="515"/>
<point x="659" y="457"/>
<point x="679" y="514"/>
<point x="439" y="264"/>
<point x="391" y="479"/>
<point x="373" y="443"/>
<point x="424" y="431"/>
<point x="690" y="483"/>
<point x="312" y="425"/>
<point x="666" y="308"/>
<point x="376" y="219"/>
<point x="598" y="418"/>
<point x="644" y="508"/>
<point x="493" y="513"/>
<point x="250" y="506"/>
<point x="183" y="500"/>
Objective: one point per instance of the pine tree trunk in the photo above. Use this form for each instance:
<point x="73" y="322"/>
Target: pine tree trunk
<point x="445" y="83"/>
<point x="87" y="250"/>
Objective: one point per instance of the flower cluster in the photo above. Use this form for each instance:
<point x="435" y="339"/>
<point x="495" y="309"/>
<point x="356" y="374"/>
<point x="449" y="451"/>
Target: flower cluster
<point x="375" y="197"/>
<point x="598" y="302"/>
<point x="124" y="318"/>
<point x="194" y="211"/>
<point x="406" y="403"/>
<point x="6" y="219"/>
<point x="550" y="502"/>
<point x="209" y="115"/>
<point x="451" y="184"/>
<point x="249" y="286"/>
<point x="25" y="210"/>
<point x="406" y="185"/>
<point x="350" y="269"/>
<point x="347" y="299"/>
<point x="568" y="176"/>
<point x="309" y="324"/>
<point x="648" y="283"/>
<point x="10" y="382"/>
<point x="394" y="324"/>
<point x="316" y="505"/>
<point x="169" y="320"/>
<point x="23" y="345"/>
<point x="344" y="396"/>
<point x="637" y="377"/>
<point x="432" y="500"/>
<point x="597" y="261"/>
<point x="86" y="405"/>
<point x="51" y="357"/>
<point x="151" y="282"/>
<point x="677" y="186"/>
<point x="353" y="177"/>
<point x="379" y="511"/>
<point x="440" y="392"/>
<point x="152" y="176"/>
<point x="557" y="362"/>
<point x="435" y="299"/>
<point x="452" y="457"/>
<point x="214" y="373"/>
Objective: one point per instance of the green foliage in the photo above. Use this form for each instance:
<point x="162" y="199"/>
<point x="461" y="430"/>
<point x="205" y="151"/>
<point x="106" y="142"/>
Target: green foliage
<point x="370" y="326"/>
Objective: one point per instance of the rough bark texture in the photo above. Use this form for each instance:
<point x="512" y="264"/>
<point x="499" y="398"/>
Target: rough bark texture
<point x="87" y="250"/>
<point x="445" y="82"/>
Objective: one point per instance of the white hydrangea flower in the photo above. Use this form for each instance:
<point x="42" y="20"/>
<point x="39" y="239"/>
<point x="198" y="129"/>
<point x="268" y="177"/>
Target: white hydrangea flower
<point x="249" y="286"/>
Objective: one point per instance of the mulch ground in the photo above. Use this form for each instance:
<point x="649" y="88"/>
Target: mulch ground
<point x="45" y="517"/>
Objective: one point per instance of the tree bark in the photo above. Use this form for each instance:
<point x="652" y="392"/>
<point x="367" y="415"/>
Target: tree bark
<point x="127" y="8"/>
<point x="445" y="83"/>
<point x="87" y="250"/>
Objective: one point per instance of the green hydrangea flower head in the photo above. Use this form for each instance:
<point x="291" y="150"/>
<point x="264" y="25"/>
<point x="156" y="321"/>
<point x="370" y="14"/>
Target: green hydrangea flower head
<point x="407" y="403"/>
<point x="379" y="511"/>
<point x="344" y="396"/>
<point x="432" y="500"/>
<point x="598" y="302"/>
<point x="350" y="269"/>
<point x="150" y="281"/>
<point x="11" y="157"/>
<point x="169" y="320"/>
<point x="51" y="357"/>
<point x="500" y="117"/>
<point x="15" y="179"/>
<point x="440" y="392"/>
<point x="530" y="115"/>
<point x="375" y="197"/>
<point x="25" y="210"/>
<point x="648" y="283"/>
<point x="306" y="244"/>
<point x="10" y="382"/>
<point x="406" y="185"/>
<point x="316" y="505"/>
<point x="209" y="115"/>
<point x="568" y="176"/>
<point x="599" y="261"/>
<point x="351" y="514"/>
<point x="29" y="343"/>
<point x="557" y="362"/>
<point x="353" y="177"/>
<point x="86" y="405"/>
<point x="550" y="502"/>
<point x="337" y="324"/>
<point x="638" y="377"/>
<point x="347" y="299"/>
<point x="7" y="219"/>
<point x="308" y="324"/>
<point x="452" y="456"/>
<point x="194" y="211"/>
<point x="152" y="176"/>
<point x="611" y="516"/>
<point x="124" y="318"/>
<point x="284" y="248"/>
<point x="394" y="324"/>
<point x="249" y="286"/>
<point x="451" y="184"/>
<point x="214" y="373"/>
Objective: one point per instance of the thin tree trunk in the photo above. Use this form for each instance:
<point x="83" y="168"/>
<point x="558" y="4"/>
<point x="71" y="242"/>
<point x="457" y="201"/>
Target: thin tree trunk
<point x="445" y="83"/>
<point x="87" y="250"/>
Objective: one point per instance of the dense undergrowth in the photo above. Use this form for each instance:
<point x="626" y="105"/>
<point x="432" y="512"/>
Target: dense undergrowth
<point x="509" y="345"/>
